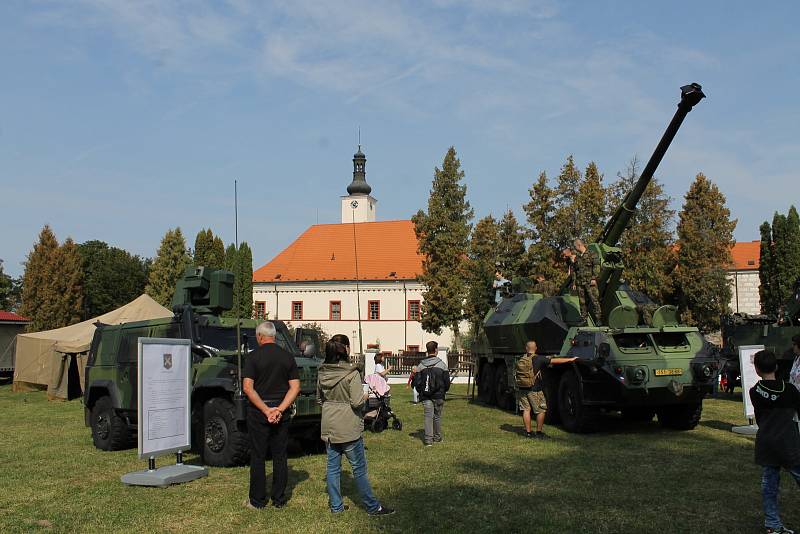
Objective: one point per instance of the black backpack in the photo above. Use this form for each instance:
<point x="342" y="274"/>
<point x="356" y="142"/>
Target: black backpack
<point x="431" y="381"/>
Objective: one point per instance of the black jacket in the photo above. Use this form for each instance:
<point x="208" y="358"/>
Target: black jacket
<point x="776" y="403"/>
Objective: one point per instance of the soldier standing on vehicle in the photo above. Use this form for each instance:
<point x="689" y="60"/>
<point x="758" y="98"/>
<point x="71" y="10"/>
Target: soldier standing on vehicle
<point x="544" y="286"/>
<point x="272" y="383"/>
<point x="499" y="283"/>
<point x="568" y="256"/>
<point x="586" y="271"/>
<point x="530" y="387"/>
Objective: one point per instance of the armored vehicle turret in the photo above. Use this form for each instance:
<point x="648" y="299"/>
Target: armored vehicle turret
<point x="219" y="346"/>
<point x="635" y="358"/>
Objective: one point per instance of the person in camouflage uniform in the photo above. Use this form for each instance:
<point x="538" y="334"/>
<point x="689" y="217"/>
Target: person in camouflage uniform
<point x="586" y="270"/>
<point x="544" y="286"/>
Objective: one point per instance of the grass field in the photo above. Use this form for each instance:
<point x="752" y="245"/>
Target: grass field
<point x="484" y="478"/>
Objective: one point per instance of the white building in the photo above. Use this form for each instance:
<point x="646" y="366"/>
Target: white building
<point x="743" y="278"/>
<point x="334" y="274"/>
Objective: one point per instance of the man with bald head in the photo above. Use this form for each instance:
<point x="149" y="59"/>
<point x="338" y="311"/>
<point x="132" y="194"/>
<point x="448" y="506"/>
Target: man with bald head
<point x="530" y="387"/>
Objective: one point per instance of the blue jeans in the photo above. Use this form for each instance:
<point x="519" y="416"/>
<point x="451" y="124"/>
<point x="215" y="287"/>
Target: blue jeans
<point x="770" y="485"/>
<point x="354" y="450"/>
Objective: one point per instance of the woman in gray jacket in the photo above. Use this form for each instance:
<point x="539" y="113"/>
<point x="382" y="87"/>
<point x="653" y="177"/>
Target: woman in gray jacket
<point x="341" y="393"/>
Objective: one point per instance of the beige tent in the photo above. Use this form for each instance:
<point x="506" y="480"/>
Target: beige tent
<point x="47" y="359"/>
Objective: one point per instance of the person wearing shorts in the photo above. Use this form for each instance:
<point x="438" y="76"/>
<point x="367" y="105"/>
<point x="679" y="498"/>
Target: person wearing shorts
<point x="533" y="399"/>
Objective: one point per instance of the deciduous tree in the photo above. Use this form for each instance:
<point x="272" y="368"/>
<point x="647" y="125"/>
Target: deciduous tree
<point x="443" y="236"/>
<point x="705" y="238"/>
<point x="112" y="277"/>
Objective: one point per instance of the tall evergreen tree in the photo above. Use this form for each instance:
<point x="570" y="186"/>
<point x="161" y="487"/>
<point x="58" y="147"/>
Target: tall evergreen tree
<point x="168" y="266"/>
<point x="443" y="236"/>
<point x="70" y="284"/>
<point x="792" y="248"/>
<point x="39" y="286"/>
<point x="647" y="244"/>
<point x="231" y="264"/>
<point x="511" y="246"/>
<point x="766" y="271"/>
<point x="590" y="204"/>
<point x="112" y="277"/>
<point x="705" y="238"/>
<point x="202" y="246"/>
<point x="567" y="222"/>
<point x="543" y="251"/>
<point x="244" y="279"/>
<point x="483" y="257"/>
<point x="780" y="288"/>
<point x="216" y="254"/>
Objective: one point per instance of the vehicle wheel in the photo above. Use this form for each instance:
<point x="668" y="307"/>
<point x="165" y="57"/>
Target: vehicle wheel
<point x="486" y="383"/>
<point x="680" y="416"/>
<point x="109" y="430"/>
<point x="224" y="443"/>
<point x="503" y="394"/>
<point x="397" y="424"/>
<point x="575" y="416"/>
<point x="379" y="424"/>
<point x="639" y="414"/>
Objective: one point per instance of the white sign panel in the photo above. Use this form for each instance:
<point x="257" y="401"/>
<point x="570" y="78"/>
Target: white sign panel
<point x="164" y="396"/>
<point x="749" y="376"/>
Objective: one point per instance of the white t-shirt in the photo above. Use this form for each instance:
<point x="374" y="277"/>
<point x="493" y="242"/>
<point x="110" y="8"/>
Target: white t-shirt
<point x="379" y="368"/>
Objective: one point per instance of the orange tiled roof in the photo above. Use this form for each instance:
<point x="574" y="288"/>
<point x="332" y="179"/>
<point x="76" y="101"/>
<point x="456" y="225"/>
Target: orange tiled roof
<point x="746" y="255"/>
<point x="326" y="252"/>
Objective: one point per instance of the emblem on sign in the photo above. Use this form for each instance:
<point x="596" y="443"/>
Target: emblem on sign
<point x="168" y="361"/>
<point x="354" y="204"/>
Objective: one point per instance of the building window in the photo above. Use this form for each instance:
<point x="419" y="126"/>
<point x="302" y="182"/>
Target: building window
<point x="374" y="310"/>
<point x="261" y="310"/>
<point x="297" y="310"/>
<point x="413" y="348"/>
<point x="335" y="310"/>
<point x="413" y="310"/>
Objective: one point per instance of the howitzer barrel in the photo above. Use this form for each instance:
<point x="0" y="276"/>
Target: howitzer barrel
<point x="690" y="95"/>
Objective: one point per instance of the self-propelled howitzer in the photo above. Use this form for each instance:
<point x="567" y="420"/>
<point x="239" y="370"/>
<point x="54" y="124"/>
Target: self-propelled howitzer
<point x="636" y="358"/>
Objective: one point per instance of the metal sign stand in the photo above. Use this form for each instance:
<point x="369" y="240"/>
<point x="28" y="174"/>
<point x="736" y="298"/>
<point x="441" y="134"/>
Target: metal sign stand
<point x="165" y="476"/>
<point x="746" y="430"/>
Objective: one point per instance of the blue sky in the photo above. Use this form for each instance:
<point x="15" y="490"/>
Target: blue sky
<point x="119" y="120"/>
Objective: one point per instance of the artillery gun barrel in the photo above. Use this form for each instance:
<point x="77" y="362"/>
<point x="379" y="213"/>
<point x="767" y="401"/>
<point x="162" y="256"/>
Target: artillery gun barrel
<point x="690" y="95"/>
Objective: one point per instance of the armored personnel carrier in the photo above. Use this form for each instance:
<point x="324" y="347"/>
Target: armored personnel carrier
<point x="640" y="360"/>
<point x="219" y="346"/>
<point x="774" y="332"/>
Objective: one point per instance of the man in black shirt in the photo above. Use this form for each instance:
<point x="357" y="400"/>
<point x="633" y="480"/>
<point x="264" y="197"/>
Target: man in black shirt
<point x="776" y="404"/>
<point x="272" y="383"/>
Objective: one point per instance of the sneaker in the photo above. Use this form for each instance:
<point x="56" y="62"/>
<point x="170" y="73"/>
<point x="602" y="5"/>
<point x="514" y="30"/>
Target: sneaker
<point x="249" y="505"/>
<point x="438" y="440"/>
<point x="542" y="435"/>
<point x="280" y="504"/>
<point x="383" y="510"/>
<point x="429" y="444"/>
<point x="346" y="508"/>
<point x="780" y="530"/>
<point x="529" y="434"/>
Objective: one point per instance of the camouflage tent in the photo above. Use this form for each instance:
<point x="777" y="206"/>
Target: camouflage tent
<point x="55" y="359"/>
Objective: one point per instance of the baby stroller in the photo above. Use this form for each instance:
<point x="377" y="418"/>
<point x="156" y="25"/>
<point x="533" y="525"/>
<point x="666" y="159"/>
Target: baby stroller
<point x="379" y="411"/>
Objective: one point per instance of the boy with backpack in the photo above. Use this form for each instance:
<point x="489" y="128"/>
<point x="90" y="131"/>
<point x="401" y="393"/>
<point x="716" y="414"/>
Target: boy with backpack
<point x="530" y="387"/>
<point x="776" y="404"/>
<point x="431" y="381"/>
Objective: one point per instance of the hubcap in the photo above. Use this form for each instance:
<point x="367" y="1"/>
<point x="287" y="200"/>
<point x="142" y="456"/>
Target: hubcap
<point x="216" y="434"/>
<point x="102" y="426"/>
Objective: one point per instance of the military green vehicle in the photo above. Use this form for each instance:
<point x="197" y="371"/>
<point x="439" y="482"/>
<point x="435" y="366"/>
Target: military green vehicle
<point x="774" y="332"/>
<point x="218" y="344"/>
<point x="640" y="361"/>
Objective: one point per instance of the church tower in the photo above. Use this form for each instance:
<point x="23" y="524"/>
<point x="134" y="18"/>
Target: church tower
<point x="358" y="205"/>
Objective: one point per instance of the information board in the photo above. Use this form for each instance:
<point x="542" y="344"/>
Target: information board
<point x="164" y="396"/>
<point x="749" y="376"/>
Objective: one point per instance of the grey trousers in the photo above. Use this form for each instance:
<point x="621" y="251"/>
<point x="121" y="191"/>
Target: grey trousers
<point x="433" y="419"/>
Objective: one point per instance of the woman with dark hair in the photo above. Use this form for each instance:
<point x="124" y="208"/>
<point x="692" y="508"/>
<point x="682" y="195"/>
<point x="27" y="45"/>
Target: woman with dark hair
<point x="340" y="391"/>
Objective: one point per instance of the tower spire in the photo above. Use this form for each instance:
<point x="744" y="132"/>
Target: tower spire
<point x="359" y="184"/>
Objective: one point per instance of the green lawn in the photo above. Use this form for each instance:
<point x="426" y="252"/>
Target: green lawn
<point x="484" y="478"/>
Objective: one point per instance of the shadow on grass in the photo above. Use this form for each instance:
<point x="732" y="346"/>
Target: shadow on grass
<point x="514" y="429"/>
<point x="418" y="434"/>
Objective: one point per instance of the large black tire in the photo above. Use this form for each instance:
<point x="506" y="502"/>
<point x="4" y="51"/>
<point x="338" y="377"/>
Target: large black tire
<point x="225" y="443"/>
<point x="109" y="430"/>
<point x="575" y="415"/>
<point x="638" y="414"/>
<point x="486" y="383"/>
<point x="503" y="394"/>
<point x="680" y="416"/>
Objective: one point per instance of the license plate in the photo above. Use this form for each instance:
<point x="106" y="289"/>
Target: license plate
<point x="669" y="372"/>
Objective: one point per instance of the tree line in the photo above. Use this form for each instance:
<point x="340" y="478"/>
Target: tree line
<point x="65" y="283"/>
<point x="683" y="262"/>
